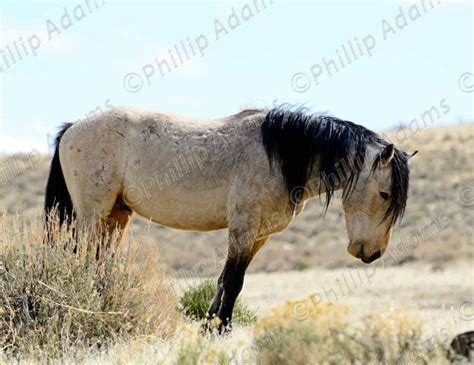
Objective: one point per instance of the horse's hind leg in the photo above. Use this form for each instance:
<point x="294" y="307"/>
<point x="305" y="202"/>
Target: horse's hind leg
<point x="120" y="216"/>
<point x="104" y="221"/>
<point x="97" y="210"/>
<point x="115" y="223"/>
<point x="93" y="161"/>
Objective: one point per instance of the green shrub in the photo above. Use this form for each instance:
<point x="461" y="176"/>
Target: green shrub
<point x="195" y="302"/>
<point x="302" y="265"/>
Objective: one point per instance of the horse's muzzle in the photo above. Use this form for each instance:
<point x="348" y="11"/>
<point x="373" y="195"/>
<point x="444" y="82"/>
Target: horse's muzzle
<point x="356" y="249"/>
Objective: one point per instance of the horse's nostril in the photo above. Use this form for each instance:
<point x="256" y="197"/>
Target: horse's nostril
<point x="375" y="256"/>
<point x="368" y="260"/>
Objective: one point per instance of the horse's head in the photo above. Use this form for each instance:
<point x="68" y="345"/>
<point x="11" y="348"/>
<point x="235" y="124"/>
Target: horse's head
<point x="375" y="201"/>
<point x="319" y="153"/>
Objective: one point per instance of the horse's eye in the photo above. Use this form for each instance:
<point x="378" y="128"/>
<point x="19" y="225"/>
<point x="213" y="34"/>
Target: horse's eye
<point x="384" y="195"/>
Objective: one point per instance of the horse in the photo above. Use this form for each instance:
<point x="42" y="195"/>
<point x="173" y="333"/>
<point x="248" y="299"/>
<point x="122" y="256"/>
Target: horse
<point x="251" y="172"/>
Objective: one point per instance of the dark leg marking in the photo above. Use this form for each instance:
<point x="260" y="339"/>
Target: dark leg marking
<point x="232" y="283"/>
<point x="217" y="300"/>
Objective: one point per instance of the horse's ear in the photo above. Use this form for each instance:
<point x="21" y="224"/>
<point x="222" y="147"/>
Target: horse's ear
<point x="413" y="154"/>
<point x="387" y="154"/>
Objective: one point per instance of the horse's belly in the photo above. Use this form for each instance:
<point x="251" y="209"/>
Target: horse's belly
<point x="178" y="210"/>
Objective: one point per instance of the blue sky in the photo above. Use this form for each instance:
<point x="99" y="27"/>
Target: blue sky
<point x="270" y="57"/>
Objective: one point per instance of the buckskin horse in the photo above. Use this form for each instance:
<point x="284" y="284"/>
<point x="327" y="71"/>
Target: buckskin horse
<point x="251" y="172"/>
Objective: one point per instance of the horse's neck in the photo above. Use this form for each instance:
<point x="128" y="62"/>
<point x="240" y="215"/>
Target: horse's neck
<point x="318" y="182"/>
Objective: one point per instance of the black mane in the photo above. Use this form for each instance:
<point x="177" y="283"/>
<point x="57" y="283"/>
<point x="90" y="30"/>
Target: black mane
<point x="297" y="140"/>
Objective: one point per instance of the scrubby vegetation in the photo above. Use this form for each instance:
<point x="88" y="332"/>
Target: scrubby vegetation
<point x="55" y="303"/>
<point x="195" y="301"/>
<point x="302" y="332"/>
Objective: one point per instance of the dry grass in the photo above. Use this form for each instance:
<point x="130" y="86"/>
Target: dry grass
<point x="54" y="303"/>
<point x="309" y="331"/>
<point x="330" y="335"/>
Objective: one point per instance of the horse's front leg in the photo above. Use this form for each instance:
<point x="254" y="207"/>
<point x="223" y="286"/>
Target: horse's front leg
<point x="242" y="249"/>
<point x="232" y="283"/>
<point x="217" y="300"/>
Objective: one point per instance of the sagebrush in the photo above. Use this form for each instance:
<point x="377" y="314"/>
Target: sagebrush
<point x="54" y="302"/>
<point x="302" y="332"/>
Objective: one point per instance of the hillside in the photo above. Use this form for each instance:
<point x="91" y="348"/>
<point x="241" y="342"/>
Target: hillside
<point x="437" y="228"/>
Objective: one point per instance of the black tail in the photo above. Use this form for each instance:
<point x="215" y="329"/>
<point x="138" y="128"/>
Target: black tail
<point x="57" y="195"/>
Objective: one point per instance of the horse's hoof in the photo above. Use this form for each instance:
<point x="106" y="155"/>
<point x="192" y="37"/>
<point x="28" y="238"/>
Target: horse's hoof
<point x="215" y="326"/>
